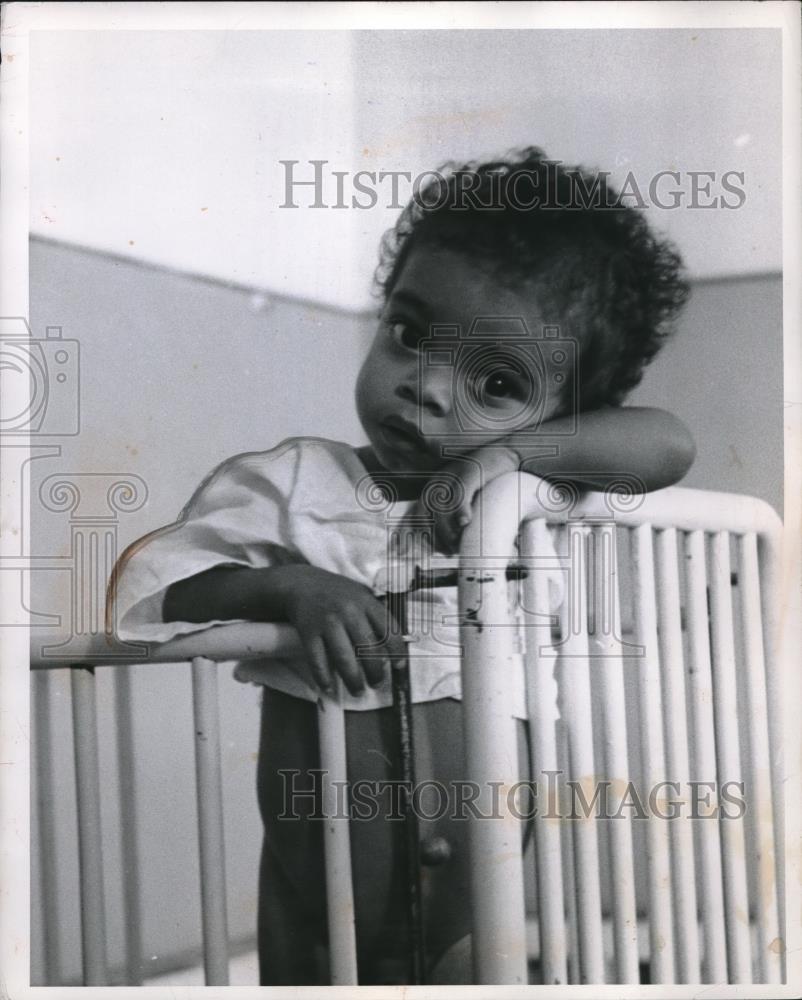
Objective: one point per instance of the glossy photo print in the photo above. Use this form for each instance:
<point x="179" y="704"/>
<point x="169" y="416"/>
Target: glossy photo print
<point x="399" y="438"/>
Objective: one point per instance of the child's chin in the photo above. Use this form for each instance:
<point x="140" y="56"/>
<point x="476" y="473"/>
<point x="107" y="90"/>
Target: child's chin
<point x="413" y="464"/>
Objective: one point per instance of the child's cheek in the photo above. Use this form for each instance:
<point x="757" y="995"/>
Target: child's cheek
<point x="362" y="393"/>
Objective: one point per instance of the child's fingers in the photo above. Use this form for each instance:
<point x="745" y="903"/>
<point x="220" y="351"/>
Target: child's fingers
<point x="386" y="629"/>
<point x="367" y="640"/>
<point x="316" y="653"/>
<point x="373" y="667"/>
<point x="449" y="528"/>
<point x="450" y="524"/>
<point x="340" y="651"/>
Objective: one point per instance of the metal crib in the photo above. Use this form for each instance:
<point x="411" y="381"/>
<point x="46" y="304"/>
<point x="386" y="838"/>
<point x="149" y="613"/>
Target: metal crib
<point x="660" y="667"/>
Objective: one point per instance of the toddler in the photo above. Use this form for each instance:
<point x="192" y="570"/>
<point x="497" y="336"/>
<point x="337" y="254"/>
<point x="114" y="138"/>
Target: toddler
<point x="458" y="385"/>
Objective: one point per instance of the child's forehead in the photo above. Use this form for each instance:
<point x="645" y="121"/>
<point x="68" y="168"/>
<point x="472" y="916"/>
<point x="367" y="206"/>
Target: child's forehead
<point x="448" y="285"/>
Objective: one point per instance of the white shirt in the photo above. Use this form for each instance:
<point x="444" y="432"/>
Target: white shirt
<point x="308" y="500"/>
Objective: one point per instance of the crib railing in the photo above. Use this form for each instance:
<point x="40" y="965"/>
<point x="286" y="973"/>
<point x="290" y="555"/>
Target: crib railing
<point x="657" y="667"/>
<point x="707" y="706"/>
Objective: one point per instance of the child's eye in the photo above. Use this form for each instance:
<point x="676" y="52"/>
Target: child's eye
<point x="404" y="334"/>
<point x="500" y="386"/>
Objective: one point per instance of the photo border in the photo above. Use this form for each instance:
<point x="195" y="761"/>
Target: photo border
<point x="18" y="21"/>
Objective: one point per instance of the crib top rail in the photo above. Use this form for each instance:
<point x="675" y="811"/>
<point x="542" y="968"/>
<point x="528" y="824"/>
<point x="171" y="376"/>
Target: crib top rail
<point x="512" y="500"/>
<point x="675" y="507"/>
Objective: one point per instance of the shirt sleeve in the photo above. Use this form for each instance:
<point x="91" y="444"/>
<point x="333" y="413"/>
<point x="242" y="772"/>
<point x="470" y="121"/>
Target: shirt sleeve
<point x="237" y="517"/>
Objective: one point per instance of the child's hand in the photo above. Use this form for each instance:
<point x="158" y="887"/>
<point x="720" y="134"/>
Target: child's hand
<point x="474" y="472"/>
<point x="333" y="616"/>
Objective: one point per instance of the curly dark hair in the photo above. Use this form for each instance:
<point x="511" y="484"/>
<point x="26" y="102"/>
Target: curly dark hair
<point x="595" y="267"/>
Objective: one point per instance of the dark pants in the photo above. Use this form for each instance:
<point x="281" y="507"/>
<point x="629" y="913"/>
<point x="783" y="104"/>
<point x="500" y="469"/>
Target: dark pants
<point x="292" y="927"/>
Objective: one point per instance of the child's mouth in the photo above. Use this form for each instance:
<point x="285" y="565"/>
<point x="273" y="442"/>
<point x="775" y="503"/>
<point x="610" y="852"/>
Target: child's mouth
<point x="400" y="433"/>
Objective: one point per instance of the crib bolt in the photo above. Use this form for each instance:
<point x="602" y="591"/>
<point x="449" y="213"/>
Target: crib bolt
<point x="435" y="851"/>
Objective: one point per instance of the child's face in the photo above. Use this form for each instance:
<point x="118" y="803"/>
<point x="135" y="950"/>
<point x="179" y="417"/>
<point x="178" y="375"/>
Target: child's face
<point x="413" y="398"/>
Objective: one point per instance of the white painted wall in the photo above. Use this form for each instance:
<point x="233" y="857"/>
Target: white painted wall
<point x="165" y="146"/>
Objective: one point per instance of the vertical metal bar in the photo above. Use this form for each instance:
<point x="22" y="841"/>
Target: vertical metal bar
<point x="541" y="704"/>
<point x="578" y="717"/>
<point x="42" y="683"/>
<point x="605" y="649"/>
<point x="714" y="963"/>
<point x="90" y="848"/>
<point x="769" y="559"/>
<point x="491" y="757"/>
<point x="209" y="786"/>
<point x="568" y="855"/>
<point x="661" y="931"/>
<point x="759" y="817"/>
<point x="725" y="705"/>
<point x="676" y="729"/>
<point x="126" y="764"/>
<point x="337" y="842"/>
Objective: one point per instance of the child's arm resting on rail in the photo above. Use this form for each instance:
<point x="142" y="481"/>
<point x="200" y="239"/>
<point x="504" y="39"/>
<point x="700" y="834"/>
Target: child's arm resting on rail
<point x="332" y="615"/>
<point x="232" y="555"/>
<point x="650" y="447"/>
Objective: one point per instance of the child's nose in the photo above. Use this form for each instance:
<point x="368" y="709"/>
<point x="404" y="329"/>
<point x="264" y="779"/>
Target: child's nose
<point x="434" y="394"/>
